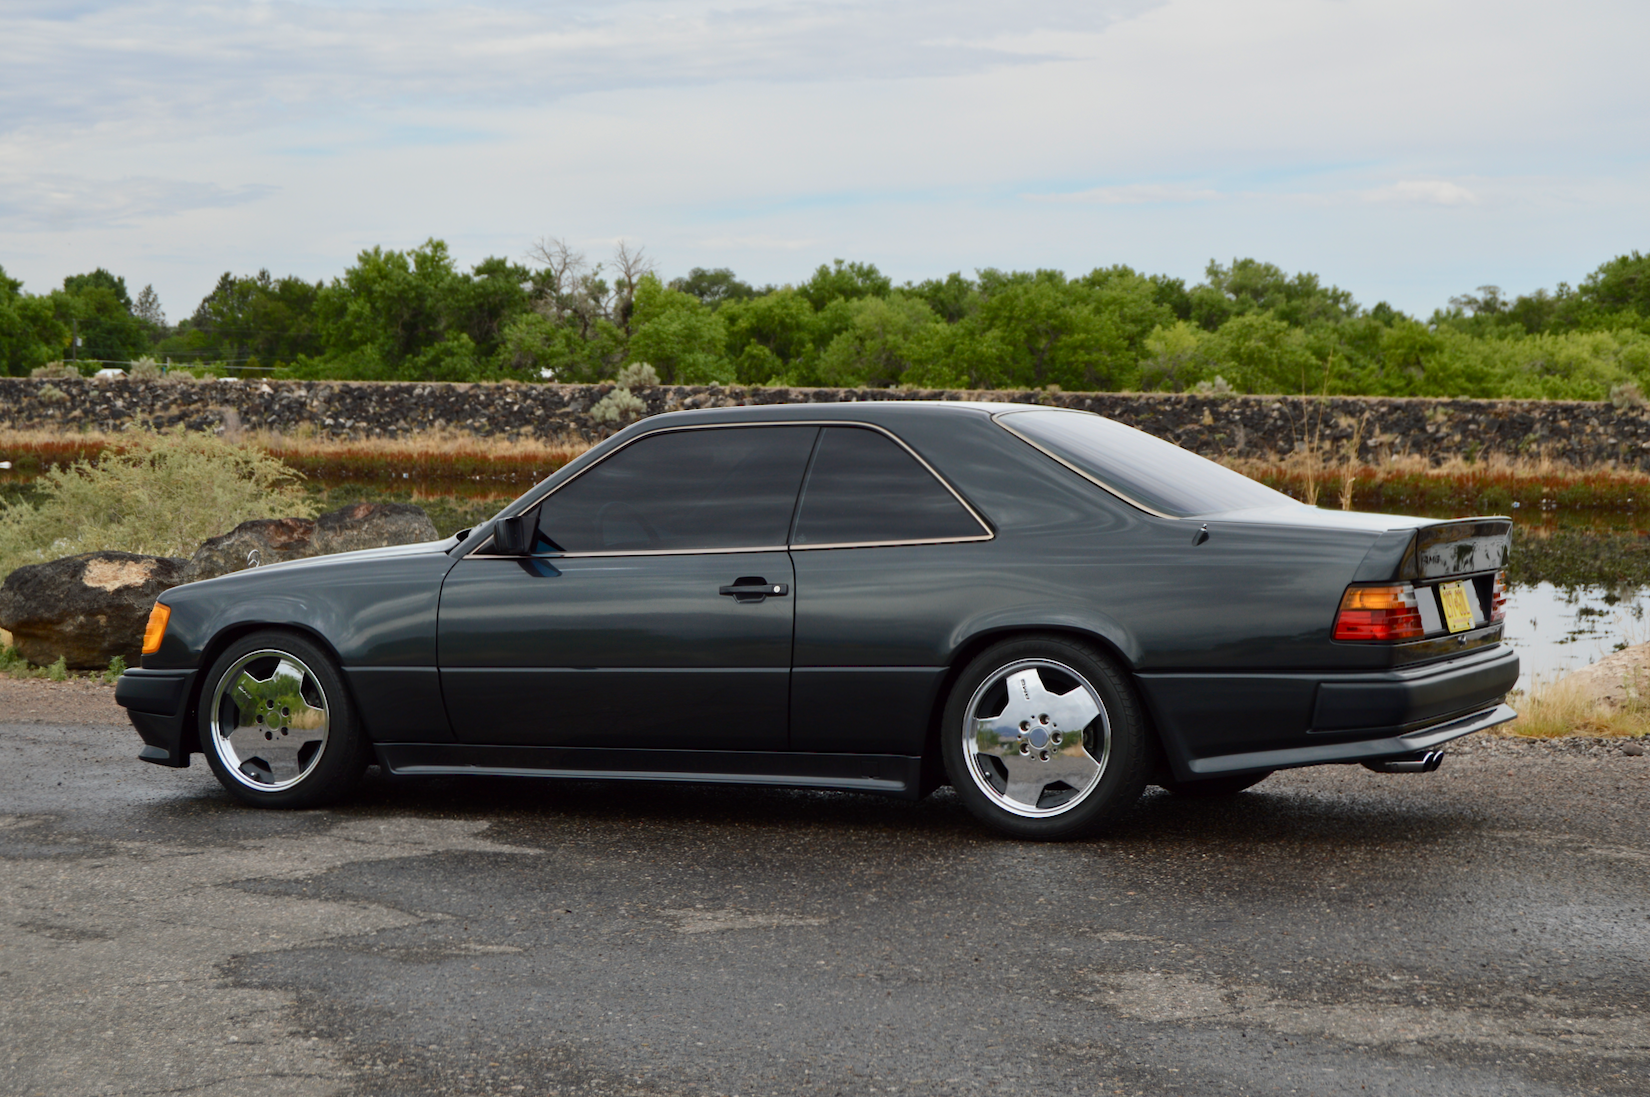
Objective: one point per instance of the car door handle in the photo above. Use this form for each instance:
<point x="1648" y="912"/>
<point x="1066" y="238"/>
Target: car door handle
<point x="754" y="588"/>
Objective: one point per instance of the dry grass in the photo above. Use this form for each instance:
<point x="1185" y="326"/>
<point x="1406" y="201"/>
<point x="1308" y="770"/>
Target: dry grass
<point x="1488" y="486"/>
<point x="423" y="445"/>
<point x="1549" y="710"/>
<point x="454" y="459"/>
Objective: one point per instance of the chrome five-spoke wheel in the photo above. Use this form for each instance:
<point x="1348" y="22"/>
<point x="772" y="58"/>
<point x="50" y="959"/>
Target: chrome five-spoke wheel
<point x="269" y="720"/>
<point x="276" y="723"/>
<point x="1043" y="738"/>
<point x="1036" y="738"/>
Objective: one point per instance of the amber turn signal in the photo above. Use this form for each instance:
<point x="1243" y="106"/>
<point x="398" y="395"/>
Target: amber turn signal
<point x="155" y="631"/>
<point x="1379" y="613"/>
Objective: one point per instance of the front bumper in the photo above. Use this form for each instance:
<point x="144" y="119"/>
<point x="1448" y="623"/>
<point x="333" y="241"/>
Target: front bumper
<point x="158" y="703"/>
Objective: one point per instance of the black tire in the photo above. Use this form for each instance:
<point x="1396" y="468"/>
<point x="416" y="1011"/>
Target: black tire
<point x="1024" y="774"/>
<point x="277" y="725"/>
<point x="1210" y="788"/>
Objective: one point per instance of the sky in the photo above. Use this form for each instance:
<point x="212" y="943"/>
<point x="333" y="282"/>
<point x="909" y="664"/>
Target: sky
<point x="1405" y="150"/>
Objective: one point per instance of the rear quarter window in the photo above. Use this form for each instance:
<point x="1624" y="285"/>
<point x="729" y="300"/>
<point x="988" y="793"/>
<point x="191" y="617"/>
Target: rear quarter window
<point x="1144" y="470"/>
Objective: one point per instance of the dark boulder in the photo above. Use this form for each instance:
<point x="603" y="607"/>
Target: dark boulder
<point x="272" y="540"/>
<point x="87" y="609"/>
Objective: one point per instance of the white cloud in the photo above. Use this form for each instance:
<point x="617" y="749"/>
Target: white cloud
<point x="54" y="201"/>
<point x="171" y="142"/>
<point x="754" y="243"/>
<point x="1424" y="192"/>
<point x="225" y="66"/>
<point x="1132" y="194"/>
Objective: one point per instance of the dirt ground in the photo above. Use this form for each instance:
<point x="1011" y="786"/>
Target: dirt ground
<point x="77" y="701"/>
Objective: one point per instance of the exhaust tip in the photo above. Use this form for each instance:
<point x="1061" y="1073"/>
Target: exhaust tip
<point x="1421" y="762"/>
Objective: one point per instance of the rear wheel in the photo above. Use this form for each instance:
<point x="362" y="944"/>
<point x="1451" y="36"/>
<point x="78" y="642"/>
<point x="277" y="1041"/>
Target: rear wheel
<point x="1043" y="738"/>
<point x="276" y="724"/>
<point x="1212" y="787"/>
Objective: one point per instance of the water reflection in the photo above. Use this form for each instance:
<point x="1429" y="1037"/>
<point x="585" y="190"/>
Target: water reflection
<point x="1560" y="629"/>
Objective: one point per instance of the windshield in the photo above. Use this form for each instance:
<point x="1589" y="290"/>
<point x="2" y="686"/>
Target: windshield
<point x="1147" y="471"/>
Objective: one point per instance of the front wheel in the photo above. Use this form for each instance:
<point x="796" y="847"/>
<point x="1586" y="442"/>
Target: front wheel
<point x="1043" y="738"/>
<point x="276" y="724"/>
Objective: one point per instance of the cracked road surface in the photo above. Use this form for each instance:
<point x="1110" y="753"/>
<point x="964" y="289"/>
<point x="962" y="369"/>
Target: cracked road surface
<point x="1481" y="930"/>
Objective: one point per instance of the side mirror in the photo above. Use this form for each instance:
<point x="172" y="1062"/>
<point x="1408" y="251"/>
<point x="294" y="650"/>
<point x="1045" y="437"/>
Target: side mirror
<point x="513" y="536"/>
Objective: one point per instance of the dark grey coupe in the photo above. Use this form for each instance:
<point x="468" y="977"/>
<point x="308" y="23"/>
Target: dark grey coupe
<point x="1045" y="609"/>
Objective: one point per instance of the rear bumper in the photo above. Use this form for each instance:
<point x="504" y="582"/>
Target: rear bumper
<point x="1363" y="750"/>
<point x="158" y="703"/>
<point x="1216" y="724"/>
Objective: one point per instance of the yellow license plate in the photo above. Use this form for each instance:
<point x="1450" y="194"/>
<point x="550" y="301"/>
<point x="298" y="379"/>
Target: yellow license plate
<point x="1457" y="610"/>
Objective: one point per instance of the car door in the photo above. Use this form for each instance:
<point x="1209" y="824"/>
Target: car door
<point x="657" y="611"/>
<point x="888" y="563"/>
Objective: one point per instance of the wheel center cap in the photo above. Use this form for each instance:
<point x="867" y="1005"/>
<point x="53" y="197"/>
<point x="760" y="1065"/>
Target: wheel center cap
<point x="1039" y="737"/>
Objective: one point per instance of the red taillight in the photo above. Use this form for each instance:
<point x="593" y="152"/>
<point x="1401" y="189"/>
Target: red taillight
<point x="1498" y="597"/>
<point x="1379" y="613"/>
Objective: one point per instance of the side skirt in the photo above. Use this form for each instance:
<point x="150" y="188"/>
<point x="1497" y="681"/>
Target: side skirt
<point x="890" y="774"/>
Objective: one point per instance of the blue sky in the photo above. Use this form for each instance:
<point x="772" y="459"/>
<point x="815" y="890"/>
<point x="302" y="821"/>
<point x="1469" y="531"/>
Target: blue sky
<point x="1406" y="151"/>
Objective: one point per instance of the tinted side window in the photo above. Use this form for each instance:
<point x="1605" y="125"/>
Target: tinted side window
<point x="722" y="488"/>
<point x="865" y="488"/>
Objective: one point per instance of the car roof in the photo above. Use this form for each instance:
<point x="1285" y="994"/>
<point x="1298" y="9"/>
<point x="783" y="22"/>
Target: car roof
<point x="861" y="410"/>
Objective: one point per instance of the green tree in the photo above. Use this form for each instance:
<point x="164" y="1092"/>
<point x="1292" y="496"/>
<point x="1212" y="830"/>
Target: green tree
<point x="255" y="320"/>
<point x="30" y="332"/>
<point x="1041" y="329"/>
<point x="1257" y="352"/>
<point x="880" y="343"/>
<point x="1621" y="285"/>
<point x="679" y="336"/>
<point x="844" y="281"/>
<point x="771" y="337"/>
<point x="413" y="316"/>
<point x="1175" y="358"/>
<point x="97" y="308"/>
<point x="713" y="287"/>
<point x="953" y="298"/>
<point x="1250" y="285"/>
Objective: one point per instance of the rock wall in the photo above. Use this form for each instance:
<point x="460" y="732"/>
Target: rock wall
<point x="1578" y="433"/>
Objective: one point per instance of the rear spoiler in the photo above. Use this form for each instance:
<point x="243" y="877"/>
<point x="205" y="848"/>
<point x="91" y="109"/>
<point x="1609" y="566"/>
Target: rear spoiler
<point x="1463" y="546"/>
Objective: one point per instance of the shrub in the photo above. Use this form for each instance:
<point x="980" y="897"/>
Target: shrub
<point x="144" y="369"/>
<point x="57" y="371"/>
<point x="618" y="406"/>
<point x="1627" y="395"/>
<point x="161" y="494"/>
<point x="637" y="375"/>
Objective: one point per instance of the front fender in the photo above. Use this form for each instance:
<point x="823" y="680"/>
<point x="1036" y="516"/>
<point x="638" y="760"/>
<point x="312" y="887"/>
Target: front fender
<point x="376" y="614"/>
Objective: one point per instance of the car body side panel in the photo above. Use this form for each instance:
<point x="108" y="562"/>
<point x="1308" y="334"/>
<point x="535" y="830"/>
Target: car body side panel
<point x="865" y="710"/>
<point x="400" y="704"/>
<point x="624" y="651"/>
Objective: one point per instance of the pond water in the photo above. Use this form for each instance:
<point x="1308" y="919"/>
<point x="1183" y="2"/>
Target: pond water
<point x="1559" y="629"/>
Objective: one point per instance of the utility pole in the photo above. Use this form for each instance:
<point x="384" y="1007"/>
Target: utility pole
<point x="74" y="343"/>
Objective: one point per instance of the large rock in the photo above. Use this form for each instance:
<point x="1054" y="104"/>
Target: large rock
<point x="87" y="608"/>
<point x="272" y="540"/>
<point x="1619" y="680"/>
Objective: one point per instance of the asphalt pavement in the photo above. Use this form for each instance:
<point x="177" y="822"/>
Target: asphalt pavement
<point x="1481" y="930"/>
